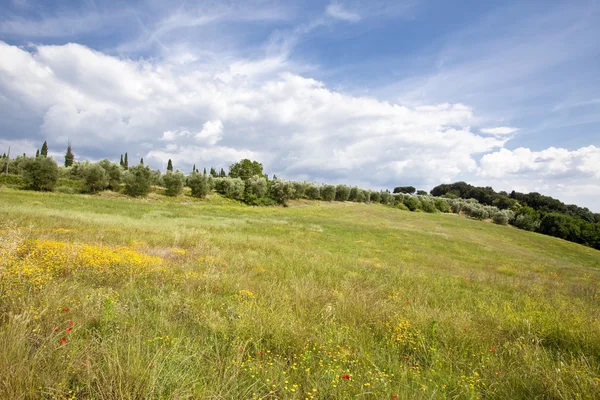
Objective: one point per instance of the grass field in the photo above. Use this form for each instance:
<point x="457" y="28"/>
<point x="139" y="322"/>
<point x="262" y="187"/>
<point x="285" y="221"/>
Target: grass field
<point x="104" y="297"/>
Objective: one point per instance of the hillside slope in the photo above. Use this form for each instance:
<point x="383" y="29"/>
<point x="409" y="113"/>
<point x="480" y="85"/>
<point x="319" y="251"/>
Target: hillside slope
<point x="106" y="297"/>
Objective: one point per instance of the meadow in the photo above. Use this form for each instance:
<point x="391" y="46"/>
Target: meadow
<point x="108" y="297"/>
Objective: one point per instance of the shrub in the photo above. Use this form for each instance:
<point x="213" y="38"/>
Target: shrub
<point x="412" y="203"/>
<point x="11" y="180"/>
<point x="477" y="212"/>
<point x="94" y="178"/>
<point x="401" y="206"/>
<point x="327" y="192"/>
<point x="501" y="218"/>
<point x="114" y="174"/>
<point x="300" y="189"/>
<point x="40" y="173"/>
<point x="428" y="205"/>
<point x="363" y="195"/>
<point x="257" y="186"/>
<point x="374" y="197"/>
<point x="353" y="195"/>
<point x="137" y="180"/>
<point x="342" y="192"/>
<point x="281" y="191"/>
<point x="156" y="178"/>
<point x="312" y="192"/>
<point x="199" y="183"/>
<point x="77" y="170"/>
<point x="441" y="204"/>
<point x="232" y="188"/>
<point x="386" y="198"/>
<point x="174" y="182"/>
<point x="421" y="193"/>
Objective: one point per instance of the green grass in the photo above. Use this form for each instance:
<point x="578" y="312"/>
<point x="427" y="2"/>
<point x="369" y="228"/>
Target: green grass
<point x="289" y="302"/>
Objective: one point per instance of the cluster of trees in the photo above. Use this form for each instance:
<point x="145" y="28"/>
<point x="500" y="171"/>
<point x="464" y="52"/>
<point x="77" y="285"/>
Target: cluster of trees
<point x="533" y="212"/>
<point x="247" y="182"/>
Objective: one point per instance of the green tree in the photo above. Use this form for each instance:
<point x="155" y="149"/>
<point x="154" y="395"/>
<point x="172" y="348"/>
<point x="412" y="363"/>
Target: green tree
<point x="40" y="173"/>
<point x="114" y="174"/>
<point x="121" y="163"/>
<point x="342" y="193"/>
<point x="95" y="178"/>
<point x="44" y="151"/>
<point x="245" y="169"/>
<point x="142" y="161"/>
<point x="37" y="153"/>
<point x="126" y="162"/>
<point x="281" y="191"/>
<point x="312" y="192"/>
<point x="174" y="182"/>
<point x="194" y="168"/>
<point x="200" y="184"/>
<point x="213" y="173"/>
<point x="170" y="165"/>
<point x="69" y="156"/>
<point x="137" y="180"/>
<point x="405" y="189"/>
<point x="222" y="174"/>
<point x="204" y="170"/>
<point x="327" y="192"/>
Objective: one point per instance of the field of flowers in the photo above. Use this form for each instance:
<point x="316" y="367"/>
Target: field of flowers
<point x="107" y="297"/>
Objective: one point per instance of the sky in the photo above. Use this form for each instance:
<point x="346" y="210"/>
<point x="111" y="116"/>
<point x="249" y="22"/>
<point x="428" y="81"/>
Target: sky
<point x="370" y="93"/>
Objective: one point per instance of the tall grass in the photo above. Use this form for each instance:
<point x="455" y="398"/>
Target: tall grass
<point x="108" y="297"/>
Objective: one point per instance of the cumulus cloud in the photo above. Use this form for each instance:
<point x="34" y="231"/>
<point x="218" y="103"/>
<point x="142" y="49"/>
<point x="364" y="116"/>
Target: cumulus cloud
<point x="296" y="126"/>
<point x="336" y="10"/>
<point x="501" y="130"/>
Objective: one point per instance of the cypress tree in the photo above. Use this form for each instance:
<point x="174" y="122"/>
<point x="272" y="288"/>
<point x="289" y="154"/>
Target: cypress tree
<point x="44" y="151"/>
<point x="213" y="172"/>
<point x="194" y="168"/>
<point x="121" y="162"/>
<point x="204" y="170"/>
<point x="126" y="162"/>
<point x="142" y="161"/>
<point x="223" y="174"/>
<point x="69" y="157"/>
<point x="170" y="165"/>
<point x="37" y="153"/>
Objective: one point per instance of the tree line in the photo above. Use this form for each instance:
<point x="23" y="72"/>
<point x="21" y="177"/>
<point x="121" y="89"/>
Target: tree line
<point x="247" y="182"/>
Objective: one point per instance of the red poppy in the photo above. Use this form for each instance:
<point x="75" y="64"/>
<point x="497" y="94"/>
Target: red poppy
<point x="224" y="266"/>
<point x="260" y="353"/>
<point x="346" y="377"/>
<point x="394" y="396"/>
<point x="85" y="365"/>
<point x="70" y="322"/>
<point x="405" y="358"/>
<point x="63" y="341"/>
<point x="56" y="329"/>
<point x="65" y="309"/>
<point x="492" y="348"/>
<point x="69" y="329"/>
<point x="216" y="288"/>
<point x="408" y="303"/>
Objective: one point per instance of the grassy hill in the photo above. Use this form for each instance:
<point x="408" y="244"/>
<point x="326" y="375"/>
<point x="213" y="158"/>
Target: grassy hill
<point x="105" y="297"/>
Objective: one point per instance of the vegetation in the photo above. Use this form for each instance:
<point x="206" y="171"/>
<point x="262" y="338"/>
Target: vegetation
<point x="137" y="180"/>
<point x="40" y="173"/>
<point x="104" y="297"/>
<point x="174" y="182"/>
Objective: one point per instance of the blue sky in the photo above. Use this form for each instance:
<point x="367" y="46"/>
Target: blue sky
<point x="373" y="93"/>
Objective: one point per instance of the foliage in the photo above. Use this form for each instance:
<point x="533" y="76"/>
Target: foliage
<point x="312" y="192"/>
<point x="95" y="178"/>
<point x="281" y="191"/>
<point x="386" y="198"/>
<point x="421" y="192"/>
<point x="342" y="192"/>
<point x="441" y="204"/>
<point x="232" y="188"/>
<point x="245" y="169"/>
<point x="137" y="180"/>
<point x="412" y="203"/>
<point x="327" y="192"/>
<point x="114" y="174"/>
<point x="374" y="197"/>
<point x="257" y="186"/>
<point x="299" y="189"/>
<point x="174" y="182"/>
<point x="405" y="189"/>
<point x="501" y="218"/>
<point x="200" y="184"/>
<point x="427" y="204"/>
<point x="44" y="151"/>
<point x="11" y="180"/>
<point x="69" y="156"/>
<point x="169" y="166"/>
<point x="40" y="173"/>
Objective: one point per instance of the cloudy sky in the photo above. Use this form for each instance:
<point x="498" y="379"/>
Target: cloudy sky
<point x="374" y="93"/>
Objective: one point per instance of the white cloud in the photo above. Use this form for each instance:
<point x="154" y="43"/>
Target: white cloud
<point x="336" y="10"/>
<point x="296" y="126"/>
<point x="501" y="130"/>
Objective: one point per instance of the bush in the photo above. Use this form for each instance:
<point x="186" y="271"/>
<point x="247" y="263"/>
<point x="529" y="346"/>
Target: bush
<point x="11" y="180"/>
<point x="428" y="205"/>
<point x="312" y="192"/>
<point x="412" y="203"/>
<point x="441" y="204"/>
<point x="257" y="186"/>
<point x="281" y="191"/>
<point x="401" y="206"/>
<point x="40" y="173"/>
<point x="156" y="178"/>
<point x="374" y="197"/>
<point x="327" y="192"/>
<point x="137" y="180"/>
<point x="114" y="174"/>
<point x="501" y="218"/>
<point x="363" y="196"/>
<point x="200" y="184"/>
<point x="300" y="189"/>
<point x="174" y="182"/>
<point x="386" y="198"/>
<point x="232" y="188"/>
<point x="342" y="192"/>
<point x="353" y="195"/>
<point x="94" y="178"/>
